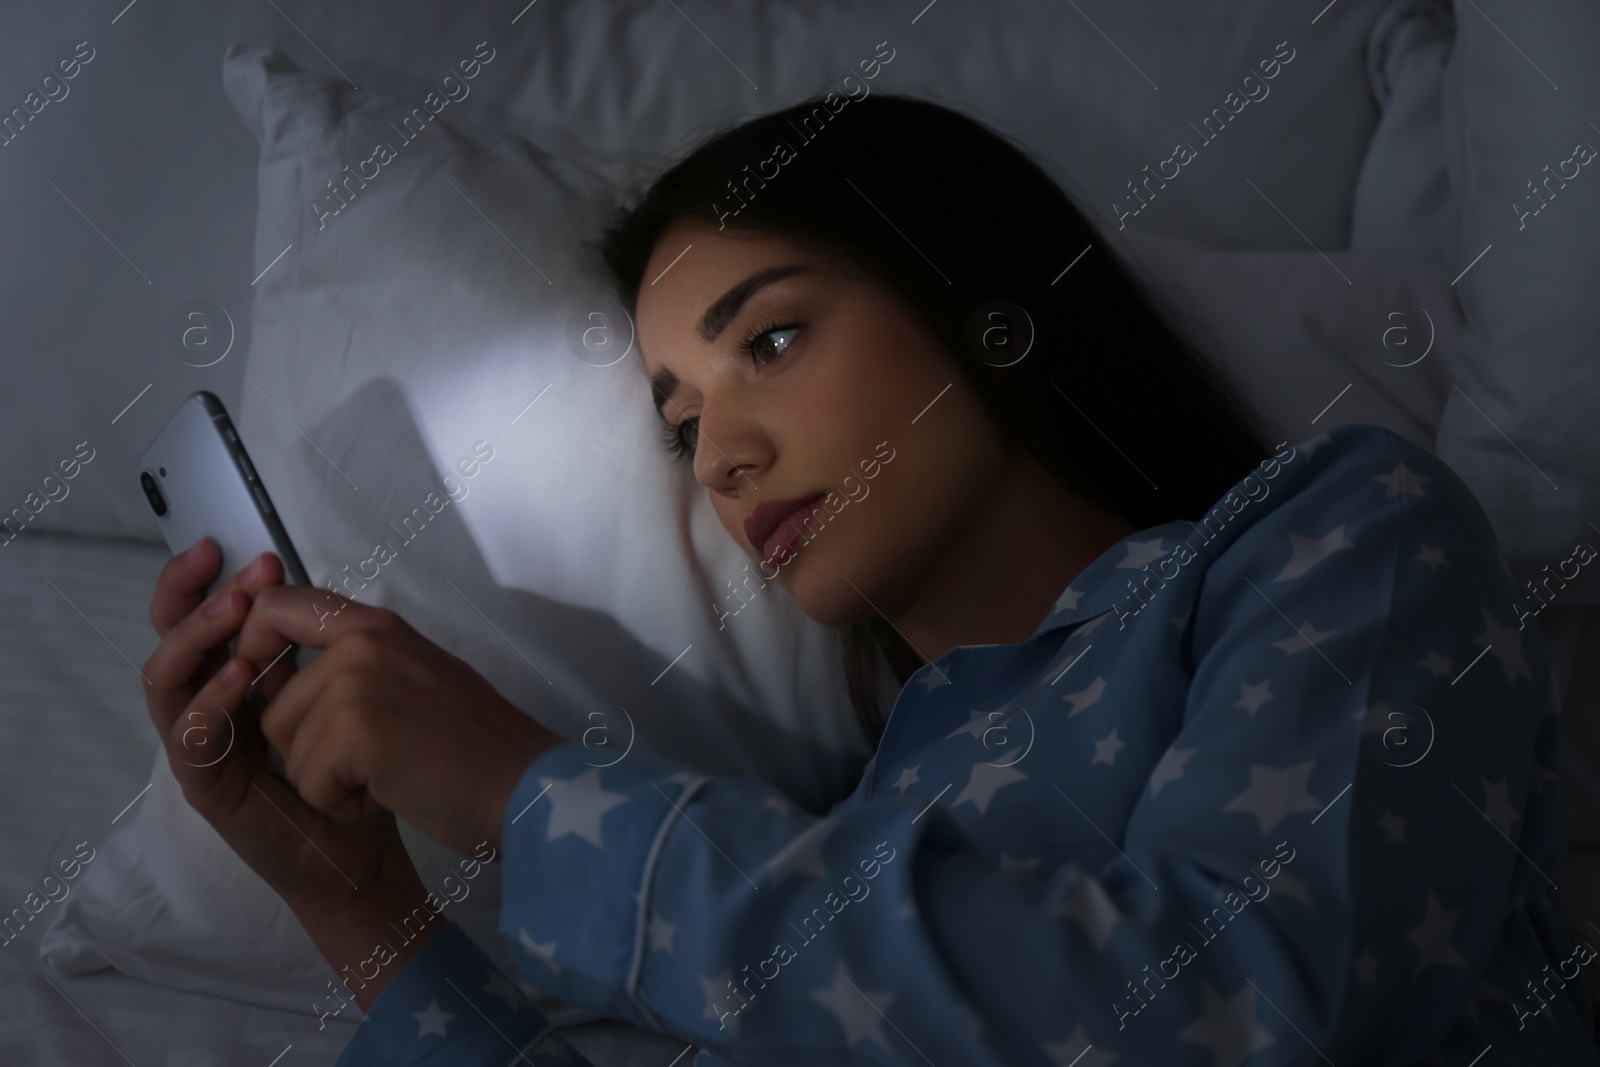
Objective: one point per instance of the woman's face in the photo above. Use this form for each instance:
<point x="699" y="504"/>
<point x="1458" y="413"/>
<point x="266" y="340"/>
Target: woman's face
<point x="840" y="380"/>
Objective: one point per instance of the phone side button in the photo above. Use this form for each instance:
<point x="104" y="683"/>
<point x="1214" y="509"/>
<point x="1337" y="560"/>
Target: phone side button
<point x="261" y="498"/>
<point x="244" y="465"/>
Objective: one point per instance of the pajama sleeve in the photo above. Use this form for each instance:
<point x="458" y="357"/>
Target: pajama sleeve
<point x="1215" y="920"/>
<point x="450" y="1006"/>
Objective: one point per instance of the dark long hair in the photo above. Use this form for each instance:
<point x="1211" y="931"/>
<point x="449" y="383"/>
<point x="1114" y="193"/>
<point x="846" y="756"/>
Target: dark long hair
<point x="953" y="216"/>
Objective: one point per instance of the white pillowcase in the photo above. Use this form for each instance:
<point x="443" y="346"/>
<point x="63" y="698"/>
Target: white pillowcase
<point x="419" y="342"/>
<point x="1521" y="429"/>
<point x="1307" y="348"/>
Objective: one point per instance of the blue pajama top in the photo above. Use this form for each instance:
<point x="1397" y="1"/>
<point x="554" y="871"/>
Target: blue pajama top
<point x="1275" y="786"/>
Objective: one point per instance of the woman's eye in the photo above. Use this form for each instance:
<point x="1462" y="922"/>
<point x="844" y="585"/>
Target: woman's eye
<point x="768" y="345"/>
<point x="677" y="438"/>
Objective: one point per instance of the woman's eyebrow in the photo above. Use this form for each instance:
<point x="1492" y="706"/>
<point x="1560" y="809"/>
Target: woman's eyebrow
<point x="724" y="309"/>
<point x="721" y="312"/>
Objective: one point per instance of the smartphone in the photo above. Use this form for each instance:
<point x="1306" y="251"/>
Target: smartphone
<point x="200" y="483"/>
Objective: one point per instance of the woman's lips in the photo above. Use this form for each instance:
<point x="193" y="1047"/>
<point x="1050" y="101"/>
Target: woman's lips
<point x="775" y="524"/>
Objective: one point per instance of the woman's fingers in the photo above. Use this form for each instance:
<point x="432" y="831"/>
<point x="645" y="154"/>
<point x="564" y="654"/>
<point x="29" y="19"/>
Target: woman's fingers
<point x="323" y="768"/>
<point x="283" y="616"/>
<point x="180" y="588"/>
<point x="182" y="582"/>
<point x="193" y="646"/>
<point x="174" y="668"/>
<point x="209" y="738"/>
<point x="288" y="723"/>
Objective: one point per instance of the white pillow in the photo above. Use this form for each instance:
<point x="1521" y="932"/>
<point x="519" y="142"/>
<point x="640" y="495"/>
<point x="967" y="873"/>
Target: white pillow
<point x="1099" y="91"/>
<point x="413" y="325"/>
<point x="1305" y="348"/>
<point x="1521" y="429"/>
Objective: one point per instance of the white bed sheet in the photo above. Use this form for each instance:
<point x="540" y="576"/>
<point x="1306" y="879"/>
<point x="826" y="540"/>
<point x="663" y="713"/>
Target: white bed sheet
<point x="77" y="751"/>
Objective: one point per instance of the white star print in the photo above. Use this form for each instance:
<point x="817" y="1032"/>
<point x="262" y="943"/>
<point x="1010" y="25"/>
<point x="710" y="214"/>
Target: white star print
<point x="860" y="1014"/>
<point x="431" y="1020"/>
<point x="1169" y="769"/>
<point x="545" y="954"/>
<point x="985" y="781"/>
<point x="661" y="933"/>
<point x="1089" y="626"/>
<point x="1106" y="749"/>
<point x="576" y="805"/>
<point x="1093" y="910"/>
<point x="1275" y="793"/>
<point x="934" y="677"/>
<point x="1507" y="645"/>
<point x="501" y="986"/>
<point x="778" y="803"/>
<point x="1380" y="718"/>
<point x="803" y="854"/>
<point x="1076" y="1051"/>
<point x="1310" y="551"/>
<point x="1437" y="665"/>
<point x="1142" y="553"/>
<point x="1394" y="827"/>
<point x="1433" y="557"/>
<point x="908" y="777"/>
<point x="721" y="1004"/>
<point x="1484" y="992"/>
<point x="1402" y="480"/>
<point x="1309" y="447"/>
<point x="1505" y="565"/>
<point x="1498" y="807"/>
<point x="1011" y="866"/>
<point x="1366" y="966"/>
<point x="1431" y="936"/>
<point x="1306" y="636"/>
<point x="1228" y="1026"/>
<point x="1068" y="600"/>
<point x="1370" y="716"/>
<point x="980" y="721"/>
<point x="1086" y="697"/>
<point x="1290" y="886"/>
<point x="1251" y="697"/>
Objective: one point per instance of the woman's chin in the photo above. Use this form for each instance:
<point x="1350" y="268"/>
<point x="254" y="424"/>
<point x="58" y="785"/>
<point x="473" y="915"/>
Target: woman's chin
<point x="823" y="593"/>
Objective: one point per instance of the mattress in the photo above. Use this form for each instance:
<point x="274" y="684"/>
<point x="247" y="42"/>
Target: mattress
<point x="78" y="748"/>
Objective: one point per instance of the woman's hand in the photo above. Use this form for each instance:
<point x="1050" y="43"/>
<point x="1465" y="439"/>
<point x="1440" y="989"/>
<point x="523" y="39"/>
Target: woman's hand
<point x="385" y="719"/>
<point x="344" y="878"/>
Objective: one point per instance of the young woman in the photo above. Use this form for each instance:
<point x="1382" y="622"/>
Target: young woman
<point x="1205" y="751"/>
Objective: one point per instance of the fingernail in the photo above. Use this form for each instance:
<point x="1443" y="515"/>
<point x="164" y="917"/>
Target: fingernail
<point x="257" y="568"/>
<point x="230" y="673"/>
<point x="218" y="607"/>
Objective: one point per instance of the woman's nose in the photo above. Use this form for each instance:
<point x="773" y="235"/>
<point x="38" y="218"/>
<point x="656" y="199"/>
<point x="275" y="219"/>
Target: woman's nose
<point x="729" y="444"/>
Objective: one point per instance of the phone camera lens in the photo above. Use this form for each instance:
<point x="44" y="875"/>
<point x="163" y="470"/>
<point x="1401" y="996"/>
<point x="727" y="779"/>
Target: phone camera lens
<point x="152" y="493"/>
